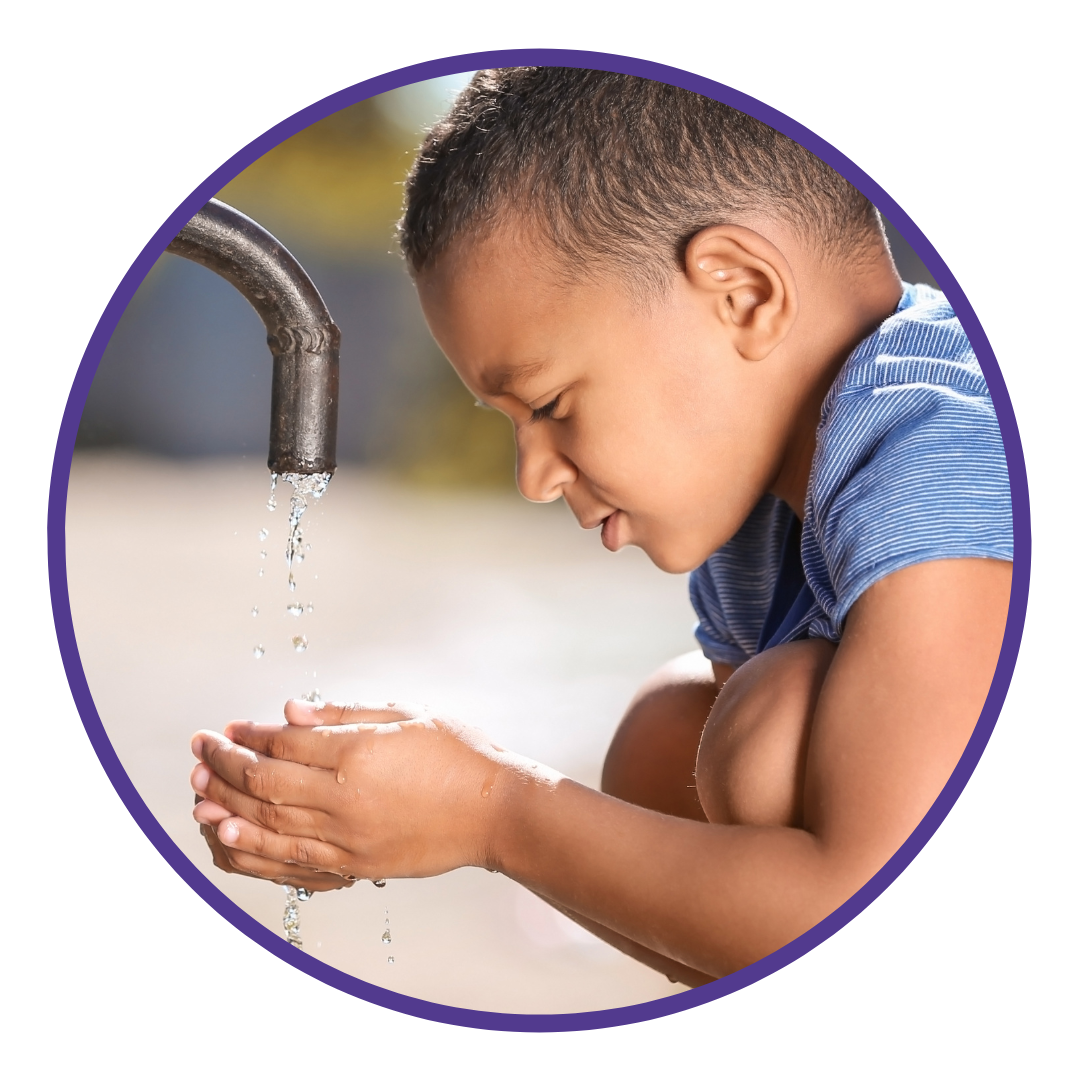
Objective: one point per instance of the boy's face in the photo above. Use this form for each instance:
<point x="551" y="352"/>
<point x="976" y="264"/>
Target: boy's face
<point x="647" y="421"/>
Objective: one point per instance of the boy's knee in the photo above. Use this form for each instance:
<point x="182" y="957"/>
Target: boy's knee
<point x="651" y="758"/>
<point x="751" y="759"/>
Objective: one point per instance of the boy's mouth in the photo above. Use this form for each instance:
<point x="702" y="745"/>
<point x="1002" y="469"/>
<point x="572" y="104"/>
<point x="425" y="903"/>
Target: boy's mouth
<point x="612" y="531"/>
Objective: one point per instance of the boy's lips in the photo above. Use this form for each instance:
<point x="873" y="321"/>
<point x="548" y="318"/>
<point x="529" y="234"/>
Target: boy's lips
<point x="613" y="533"/>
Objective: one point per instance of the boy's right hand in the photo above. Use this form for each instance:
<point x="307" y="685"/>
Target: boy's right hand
<point x="239" y="862"/>
<point x="232" y="861"/>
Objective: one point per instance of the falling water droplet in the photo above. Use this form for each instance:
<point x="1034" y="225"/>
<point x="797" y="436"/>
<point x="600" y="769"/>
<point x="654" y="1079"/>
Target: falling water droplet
<point x="291" y="918"/>
<point x="264" y="533"/>
<point x="386" y="937"/>
<point x="302" y="893"/>
<point x="315" y="698"/>
<point x="310" y="608"/>
<point x="389" y="959"/>
<point x="299" y="643"/>
<point x="261" y="571"/>
<point x="258" y="652"/>
<point x="295" y="609"/>
<point x="254" y="612"/>
<point x="292" y="584"/>
<point x="262" y="554"/>
<point x="307" y="547"/>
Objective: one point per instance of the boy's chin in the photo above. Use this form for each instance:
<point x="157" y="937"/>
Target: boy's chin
<point x="674" y="554"/>
<point x="672" y="561"/>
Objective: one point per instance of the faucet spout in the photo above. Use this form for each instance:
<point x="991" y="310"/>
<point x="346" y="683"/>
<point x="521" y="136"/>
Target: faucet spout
<point x="302" y="337"/>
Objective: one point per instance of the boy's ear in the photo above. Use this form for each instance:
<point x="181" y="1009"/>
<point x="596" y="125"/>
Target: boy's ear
<point x="749" y="284"/>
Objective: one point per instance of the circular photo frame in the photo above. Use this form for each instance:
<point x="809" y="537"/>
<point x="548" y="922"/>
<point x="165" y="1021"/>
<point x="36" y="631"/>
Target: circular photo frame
<point x="197" y="880"/>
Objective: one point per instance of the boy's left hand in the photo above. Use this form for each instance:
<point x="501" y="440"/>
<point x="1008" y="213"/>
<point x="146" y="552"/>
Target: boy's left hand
<point x="369" y="793"/>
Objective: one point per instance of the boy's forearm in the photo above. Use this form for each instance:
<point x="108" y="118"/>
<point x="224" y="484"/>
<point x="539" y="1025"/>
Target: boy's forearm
<point x="676" y="972"/>
<point x="713" y="898"/>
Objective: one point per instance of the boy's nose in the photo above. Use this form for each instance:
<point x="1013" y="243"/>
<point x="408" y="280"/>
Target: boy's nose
<point x="542" y="472"/>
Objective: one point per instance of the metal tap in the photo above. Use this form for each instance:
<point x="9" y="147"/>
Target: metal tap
<point x="302" y="337"/>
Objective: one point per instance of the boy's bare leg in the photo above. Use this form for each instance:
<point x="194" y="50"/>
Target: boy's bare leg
<point x="652" y="757"/>
<point x="733" y="758"/>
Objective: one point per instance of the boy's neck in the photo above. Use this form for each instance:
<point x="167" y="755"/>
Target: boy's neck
<point x="835" y="317"/>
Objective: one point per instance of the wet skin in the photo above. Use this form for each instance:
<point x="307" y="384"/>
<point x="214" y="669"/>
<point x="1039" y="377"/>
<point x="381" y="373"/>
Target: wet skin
<point x="726" y="829"/>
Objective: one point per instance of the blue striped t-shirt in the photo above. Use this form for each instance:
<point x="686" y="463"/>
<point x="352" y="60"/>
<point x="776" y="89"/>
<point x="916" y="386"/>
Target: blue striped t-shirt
<point x="908" y="468"/>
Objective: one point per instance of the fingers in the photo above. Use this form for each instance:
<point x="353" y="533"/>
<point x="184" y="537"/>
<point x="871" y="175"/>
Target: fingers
<point x="208" y="813"/>
<point x="224" y="801"/>
<point x="232" y="861"/>
<point x="320" y="748"/>
<point x="277" y="782"/>
<point x="243" y="838"/>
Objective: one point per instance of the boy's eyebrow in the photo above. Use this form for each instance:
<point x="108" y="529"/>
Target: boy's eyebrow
<point x="503" y="379"/>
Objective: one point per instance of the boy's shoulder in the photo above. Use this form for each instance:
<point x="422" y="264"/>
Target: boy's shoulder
<point x="909" y="396"/>
<point x="921" y="346"/>
<point x="909" y="467"/>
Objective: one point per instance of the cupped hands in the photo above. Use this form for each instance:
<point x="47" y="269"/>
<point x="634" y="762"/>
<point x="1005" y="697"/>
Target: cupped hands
<point x="343" y="792"/>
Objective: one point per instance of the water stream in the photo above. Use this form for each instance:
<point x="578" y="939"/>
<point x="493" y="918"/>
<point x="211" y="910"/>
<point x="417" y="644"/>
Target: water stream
<point x="303" y="488"/>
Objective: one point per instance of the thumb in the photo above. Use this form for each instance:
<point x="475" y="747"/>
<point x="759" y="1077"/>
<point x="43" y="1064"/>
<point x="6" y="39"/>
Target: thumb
<point x="301" y="713"/>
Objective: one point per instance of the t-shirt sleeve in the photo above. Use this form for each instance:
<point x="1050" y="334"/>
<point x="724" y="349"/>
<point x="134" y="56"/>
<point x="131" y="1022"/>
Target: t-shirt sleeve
<point x="926" y="479"/>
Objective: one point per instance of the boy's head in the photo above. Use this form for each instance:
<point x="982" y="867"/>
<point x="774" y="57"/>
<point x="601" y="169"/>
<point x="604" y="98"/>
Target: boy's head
<point x="611" y="261"/>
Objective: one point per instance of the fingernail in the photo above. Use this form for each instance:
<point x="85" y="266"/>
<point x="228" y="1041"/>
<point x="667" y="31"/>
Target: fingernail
<point x="200" y="778"/>
<point x="197" y="746"/>
<point x="228" y="832"/>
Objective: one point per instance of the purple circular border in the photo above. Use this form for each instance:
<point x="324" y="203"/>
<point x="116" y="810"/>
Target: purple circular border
<point x="186" y="869"/>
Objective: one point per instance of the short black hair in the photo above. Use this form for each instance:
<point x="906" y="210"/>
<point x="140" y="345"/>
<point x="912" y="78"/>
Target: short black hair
<point x="600" y="162"/>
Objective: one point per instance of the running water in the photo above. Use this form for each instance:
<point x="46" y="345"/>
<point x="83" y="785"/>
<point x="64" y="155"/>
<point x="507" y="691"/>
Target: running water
<point x="291" y="919"/>
<point x="386" y="933"/>
<point x="304" y="487"/>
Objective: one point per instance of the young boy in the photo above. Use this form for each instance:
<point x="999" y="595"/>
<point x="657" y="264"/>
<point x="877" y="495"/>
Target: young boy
<point x="698" y="332"/>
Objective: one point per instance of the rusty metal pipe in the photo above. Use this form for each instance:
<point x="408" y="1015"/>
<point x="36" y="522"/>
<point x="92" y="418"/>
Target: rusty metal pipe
<point x="302" y="337"/>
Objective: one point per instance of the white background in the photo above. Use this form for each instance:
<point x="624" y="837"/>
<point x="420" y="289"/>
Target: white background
<point x="114" y="113"/>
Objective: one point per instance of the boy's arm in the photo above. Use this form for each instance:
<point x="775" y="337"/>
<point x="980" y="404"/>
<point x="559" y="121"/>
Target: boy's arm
<point x="900" y="700"/>
<point x="902" y="696"/>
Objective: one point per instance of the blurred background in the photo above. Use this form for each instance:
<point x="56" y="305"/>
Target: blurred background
<point x="428" y="577"/>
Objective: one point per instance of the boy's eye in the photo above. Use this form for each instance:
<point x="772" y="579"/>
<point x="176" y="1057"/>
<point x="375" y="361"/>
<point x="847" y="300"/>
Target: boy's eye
<point x="545" y="411"/>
